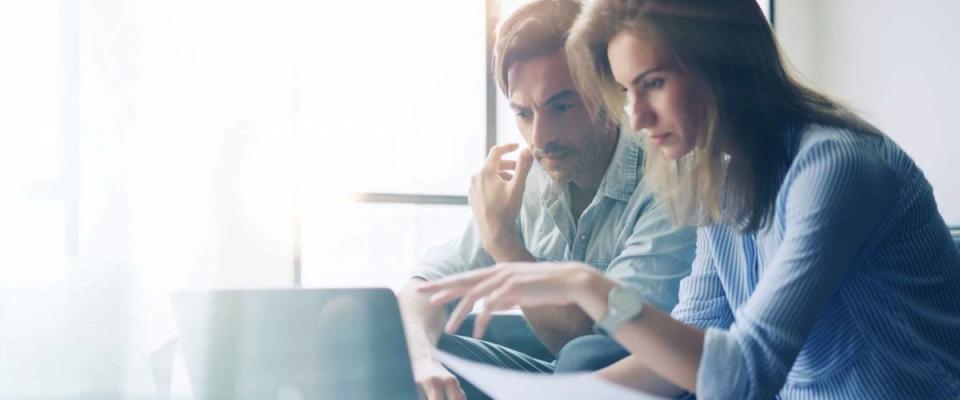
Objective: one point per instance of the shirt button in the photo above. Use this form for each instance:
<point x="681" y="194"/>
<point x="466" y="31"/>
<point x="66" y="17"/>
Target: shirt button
<point x="583" y="236"/>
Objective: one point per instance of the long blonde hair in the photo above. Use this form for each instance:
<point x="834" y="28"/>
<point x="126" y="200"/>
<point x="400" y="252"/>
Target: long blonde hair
<point x="734" y="173"/>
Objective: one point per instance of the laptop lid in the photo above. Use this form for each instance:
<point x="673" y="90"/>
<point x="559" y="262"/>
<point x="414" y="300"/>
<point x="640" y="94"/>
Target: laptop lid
<point x="294" y="344"/>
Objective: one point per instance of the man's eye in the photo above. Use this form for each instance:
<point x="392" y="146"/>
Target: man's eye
<point x="523" y="114"/>
<point x="562" y="107"/>
<point x="654" y="83"/>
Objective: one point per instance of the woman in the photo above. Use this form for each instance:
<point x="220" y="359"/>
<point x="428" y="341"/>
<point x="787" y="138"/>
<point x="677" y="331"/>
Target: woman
<point x="823" y="267"/>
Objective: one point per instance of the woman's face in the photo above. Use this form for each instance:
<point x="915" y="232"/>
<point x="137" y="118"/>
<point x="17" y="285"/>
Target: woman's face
<point x="661" y="99"/>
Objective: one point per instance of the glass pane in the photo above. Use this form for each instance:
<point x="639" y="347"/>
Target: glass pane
<point x="31" y="240"/>
<point x="369" y="244"/>
<point x="399" y="107"/>
<point x="29" y="125"/>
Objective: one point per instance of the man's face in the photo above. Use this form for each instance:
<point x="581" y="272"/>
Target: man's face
<point x="551" y="116"/>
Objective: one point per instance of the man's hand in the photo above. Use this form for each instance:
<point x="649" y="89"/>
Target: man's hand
<point x="496" y="195"/>
<point x="436" y="382"/>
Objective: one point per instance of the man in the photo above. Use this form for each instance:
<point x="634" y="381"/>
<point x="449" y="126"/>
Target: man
<point x="584" y="201"/>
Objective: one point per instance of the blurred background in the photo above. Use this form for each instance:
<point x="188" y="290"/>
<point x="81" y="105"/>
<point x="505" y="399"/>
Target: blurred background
<point x="149" y="145"/>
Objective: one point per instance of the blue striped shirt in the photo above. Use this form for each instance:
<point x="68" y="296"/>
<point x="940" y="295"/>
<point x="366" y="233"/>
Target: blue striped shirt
<point x="852" y="290"/>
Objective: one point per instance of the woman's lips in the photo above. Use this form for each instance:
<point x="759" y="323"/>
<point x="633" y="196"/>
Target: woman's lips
<point x="659" y="138"/>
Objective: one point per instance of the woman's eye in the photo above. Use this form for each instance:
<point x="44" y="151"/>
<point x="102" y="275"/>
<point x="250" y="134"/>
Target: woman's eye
<point x="654" y="83"/>
<point x="562" y="107"/>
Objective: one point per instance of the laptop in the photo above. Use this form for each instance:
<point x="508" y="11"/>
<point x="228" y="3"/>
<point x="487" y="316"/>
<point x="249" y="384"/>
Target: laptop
<point x="293" y="344"/>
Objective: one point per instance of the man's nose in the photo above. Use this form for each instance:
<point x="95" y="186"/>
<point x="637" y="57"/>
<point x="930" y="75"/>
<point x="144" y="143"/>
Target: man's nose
<point x="542" y="132"/>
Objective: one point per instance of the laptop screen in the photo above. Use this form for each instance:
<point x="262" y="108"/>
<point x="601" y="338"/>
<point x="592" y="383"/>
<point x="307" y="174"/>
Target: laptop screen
<point x="294" y="343"/>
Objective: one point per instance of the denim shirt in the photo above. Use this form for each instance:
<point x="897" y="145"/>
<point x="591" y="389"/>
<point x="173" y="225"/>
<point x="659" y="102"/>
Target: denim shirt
<point x="852" y="290"/>
<point x="623" y="233"/>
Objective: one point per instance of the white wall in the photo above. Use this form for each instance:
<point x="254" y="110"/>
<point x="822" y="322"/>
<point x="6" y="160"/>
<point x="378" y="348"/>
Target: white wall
<point x="895" y="62"/>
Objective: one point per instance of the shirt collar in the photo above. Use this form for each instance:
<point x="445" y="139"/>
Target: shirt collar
<point x="620" y="180"/>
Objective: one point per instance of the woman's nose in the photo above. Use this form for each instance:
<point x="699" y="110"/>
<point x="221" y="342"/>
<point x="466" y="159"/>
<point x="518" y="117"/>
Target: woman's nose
<point x="641" y="114"/>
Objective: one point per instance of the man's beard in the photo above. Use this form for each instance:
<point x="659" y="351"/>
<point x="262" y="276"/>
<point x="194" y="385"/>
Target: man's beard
<point x="584" y="157"/>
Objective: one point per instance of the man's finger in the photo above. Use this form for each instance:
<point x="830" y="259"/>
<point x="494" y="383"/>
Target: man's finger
<point x="497" y="152"/>
<point x="508" y="165"/>
<point x="524" y="162"/>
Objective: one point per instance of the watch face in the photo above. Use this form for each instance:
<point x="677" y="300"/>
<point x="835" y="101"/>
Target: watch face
<point x="626" y="301"/>
<point x="623" y="304"/>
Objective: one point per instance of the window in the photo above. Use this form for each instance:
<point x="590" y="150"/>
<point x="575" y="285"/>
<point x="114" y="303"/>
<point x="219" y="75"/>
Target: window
<point x="391" y="124"/>
<point x="33" y="187"/>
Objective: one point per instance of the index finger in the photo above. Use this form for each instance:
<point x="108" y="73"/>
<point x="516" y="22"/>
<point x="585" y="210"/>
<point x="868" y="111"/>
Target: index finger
<point x="497" y="152"/>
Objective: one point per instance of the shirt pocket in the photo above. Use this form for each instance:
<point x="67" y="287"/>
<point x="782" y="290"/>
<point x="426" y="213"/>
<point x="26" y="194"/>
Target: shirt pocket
<point x="603" y="248"/>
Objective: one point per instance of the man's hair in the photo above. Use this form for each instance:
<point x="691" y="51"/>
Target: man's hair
<point x="537" y="28"/>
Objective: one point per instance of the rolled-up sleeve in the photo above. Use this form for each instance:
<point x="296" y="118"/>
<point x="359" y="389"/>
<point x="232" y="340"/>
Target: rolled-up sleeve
<point x="655" y="256"/>
<point x="458" y="255"/>
<point x="837" y="197"/>
<point x="466" y="252"/>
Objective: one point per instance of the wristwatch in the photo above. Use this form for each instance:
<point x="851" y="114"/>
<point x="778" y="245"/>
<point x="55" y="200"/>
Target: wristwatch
<point x="624" y="304"/>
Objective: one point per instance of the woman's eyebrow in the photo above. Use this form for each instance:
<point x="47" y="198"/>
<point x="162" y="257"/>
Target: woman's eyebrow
<point x="643" y="74"/>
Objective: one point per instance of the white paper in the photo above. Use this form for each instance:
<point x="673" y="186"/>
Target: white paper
<point x="505" y="384"/>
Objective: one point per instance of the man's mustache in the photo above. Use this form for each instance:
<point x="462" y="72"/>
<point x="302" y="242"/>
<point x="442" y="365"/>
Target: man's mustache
<point x="553" y="149"/>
